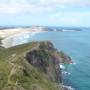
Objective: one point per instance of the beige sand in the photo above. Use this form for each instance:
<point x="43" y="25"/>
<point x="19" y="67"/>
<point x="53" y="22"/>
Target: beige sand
<point x="7" y="35"/>
<point x="11" y="32"/>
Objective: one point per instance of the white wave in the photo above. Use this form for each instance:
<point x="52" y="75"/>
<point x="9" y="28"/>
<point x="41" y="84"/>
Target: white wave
<point x="68" y="87"/>
<point x="74" y="63"/>
<point x="66" y="73"/>
<point x="62" y="66"/>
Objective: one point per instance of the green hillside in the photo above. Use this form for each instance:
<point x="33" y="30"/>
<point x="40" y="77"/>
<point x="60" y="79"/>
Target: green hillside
<point x="17" y="73"/>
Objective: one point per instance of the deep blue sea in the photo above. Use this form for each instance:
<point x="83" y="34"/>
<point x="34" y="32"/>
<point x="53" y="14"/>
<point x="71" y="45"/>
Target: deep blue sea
<point x="77" y="45"/>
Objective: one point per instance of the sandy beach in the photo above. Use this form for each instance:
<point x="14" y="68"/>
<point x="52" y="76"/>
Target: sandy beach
<point x="11" y="36"/>
<point x="11" y="32"/>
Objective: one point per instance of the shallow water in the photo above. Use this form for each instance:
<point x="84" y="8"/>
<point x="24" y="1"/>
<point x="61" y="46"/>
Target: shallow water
<point x="77" y="45"/>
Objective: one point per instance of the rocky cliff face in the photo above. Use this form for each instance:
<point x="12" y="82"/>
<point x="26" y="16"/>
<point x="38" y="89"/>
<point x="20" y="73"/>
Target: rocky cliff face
<point x="46" y="58"/>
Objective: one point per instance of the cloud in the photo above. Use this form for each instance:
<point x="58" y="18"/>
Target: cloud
<point x="21" y="6"/>
<point x="37" y="6"/>
<point x="68" y="18"/>
<point x="66" y="2"/>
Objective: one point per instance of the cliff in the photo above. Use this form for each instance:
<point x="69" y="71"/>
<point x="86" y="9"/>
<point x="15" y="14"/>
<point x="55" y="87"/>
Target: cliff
<point x="32" y="66"/>
<point x="47" y="59"/>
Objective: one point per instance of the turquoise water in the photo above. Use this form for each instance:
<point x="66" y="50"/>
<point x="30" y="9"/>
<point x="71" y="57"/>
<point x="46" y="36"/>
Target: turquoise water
<point x="77" y="45"/>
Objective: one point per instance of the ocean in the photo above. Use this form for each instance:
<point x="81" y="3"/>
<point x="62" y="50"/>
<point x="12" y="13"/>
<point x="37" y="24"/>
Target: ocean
<point x="77" y="45"/>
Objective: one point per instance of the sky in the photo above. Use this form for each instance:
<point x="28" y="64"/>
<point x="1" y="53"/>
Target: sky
<point x="45" y="12"/>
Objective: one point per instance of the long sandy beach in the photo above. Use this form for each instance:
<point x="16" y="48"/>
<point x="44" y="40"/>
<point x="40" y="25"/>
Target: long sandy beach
<point x="8" y="35"/>
<point x="10" y="32"/>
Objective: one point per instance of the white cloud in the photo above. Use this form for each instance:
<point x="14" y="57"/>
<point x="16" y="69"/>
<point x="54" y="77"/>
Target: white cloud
<point x="68" y="18"/>
<point x="66" y="2"/>
<point x="21" y="6"/>
<point x="37" y="6"/>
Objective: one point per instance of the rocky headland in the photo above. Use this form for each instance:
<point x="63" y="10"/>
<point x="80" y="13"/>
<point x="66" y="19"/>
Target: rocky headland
<point x="32" y="66"/>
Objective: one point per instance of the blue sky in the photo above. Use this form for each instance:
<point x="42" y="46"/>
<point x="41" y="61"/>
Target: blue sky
<point x="45" y="12"/>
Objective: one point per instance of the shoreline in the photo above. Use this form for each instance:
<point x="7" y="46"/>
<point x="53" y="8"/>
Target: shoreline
<point x="10" y="32"/>
<point x="68" y="87"/>
<point x="63" y="71"/>
<point x="7" y="35"/>
<point x="17" y="32"/>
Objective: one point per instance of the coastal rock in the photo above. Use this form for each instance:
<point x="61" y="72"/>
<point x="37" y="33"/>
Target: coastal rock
<point x="47" y="59"/>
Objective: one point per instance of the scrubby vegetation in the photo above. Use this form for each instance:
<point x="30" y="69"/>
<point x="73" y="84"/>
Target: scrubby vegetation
<point x="0" y="40"/>
<point x="17" y="72"/>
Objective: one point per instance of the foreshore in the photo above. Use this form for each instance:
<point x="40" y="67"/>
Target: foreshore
<point x="8" y="34"/>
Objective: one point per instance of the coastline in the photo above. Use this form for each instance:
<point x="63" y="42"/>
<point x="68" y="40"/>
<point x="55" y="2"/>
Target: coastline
<point x="17" y="32"/>
<point x="8" y="35"/>
<point x="11" y="32"/>
<point x="68" y="87"/>
<point x="64" y="71"/>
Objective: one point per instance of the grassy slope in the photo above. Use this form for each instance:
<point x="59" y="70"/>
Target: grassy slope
<point x="0" y="40"/>
<point x="33" y="81"/>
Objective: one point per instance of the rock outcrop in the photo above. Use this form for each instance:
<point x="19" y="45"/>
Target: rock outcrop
<point x="47" y="59"/>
